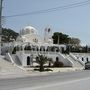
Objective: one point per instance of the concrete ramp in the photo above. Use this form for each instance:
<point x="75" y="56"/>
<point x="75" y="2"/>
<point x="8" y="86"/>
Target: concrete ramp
<point x="13" y="59"/>
<point x="7" y="67"/>
<point x="16" y="60"/>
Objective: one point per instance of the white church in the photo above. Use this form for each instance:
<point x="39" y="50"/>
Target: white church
<point x="29" y="44"/>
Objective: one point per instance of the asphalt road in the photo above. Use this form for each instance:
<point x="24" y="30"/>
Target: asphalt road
<point x="79" y="80"/>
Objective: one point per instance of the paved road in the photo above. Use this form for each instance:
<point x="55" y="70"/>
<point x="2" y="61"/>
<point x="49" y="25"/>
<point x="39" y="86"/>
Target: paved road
<point x="79" y="80"/>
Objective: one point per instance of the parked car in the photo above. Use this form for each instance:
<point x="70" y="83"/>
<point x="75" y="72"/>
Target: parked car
<point x="87" y="65"/>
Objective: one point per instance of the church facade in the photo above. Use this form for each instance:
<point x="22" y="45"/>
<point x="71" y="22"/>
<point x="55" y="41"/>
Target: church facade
<point x="29" y="44"/>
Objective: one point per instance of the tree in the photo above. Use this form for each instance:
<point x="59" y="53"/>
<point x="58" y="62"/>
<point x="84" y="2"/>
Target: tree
<point x="8" y="35"/>
<point x="74" y="41"/>
<point x="41" y="60"/>
<point x="60" y="38"/>
<point x="86" y="49"/>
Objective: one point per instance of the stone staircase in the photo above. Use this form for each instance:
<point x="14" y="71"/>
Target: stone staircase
<point x="75" y="62"/>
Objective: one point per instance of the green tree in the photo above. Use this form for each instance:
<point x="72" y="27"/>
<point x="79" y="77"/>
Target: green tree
<point x="41" y="60"/>
<point x="60" y="38"/>
<point x="8" y="35"/>
<point x="74" y="41"/>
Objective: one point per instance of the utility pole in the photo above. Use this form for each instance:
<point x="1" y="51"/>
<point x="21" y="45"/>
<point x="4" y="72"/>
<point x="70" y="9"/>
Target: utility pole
<point x="0" y="23"/>
<point x="58" y="40"/>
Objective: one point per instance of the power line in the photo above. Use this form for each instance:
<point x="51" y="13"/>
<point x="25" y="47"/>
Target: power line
<point x="69" y="6"/>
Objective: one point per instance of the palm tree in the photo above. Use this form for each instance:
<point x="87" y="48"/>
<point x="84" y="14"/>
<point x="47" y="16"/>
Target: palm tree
<point x="41" y="60"/>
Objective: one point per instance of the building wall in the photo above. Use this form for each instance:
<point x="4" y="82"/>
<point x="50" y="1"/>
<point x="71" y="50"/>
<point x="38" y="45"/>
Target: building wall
<point x="23" y="57"/>
<point x="83" y="56"/>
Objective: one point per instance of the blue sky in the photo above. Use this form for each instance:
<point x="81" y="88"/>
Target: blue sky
<point x="75" y="21"/>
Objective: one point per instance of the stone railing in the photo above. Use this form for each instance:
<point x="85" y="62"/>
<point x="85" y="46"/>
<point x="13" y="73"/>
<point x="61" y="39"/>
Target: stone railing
<point x="77" y="59"/>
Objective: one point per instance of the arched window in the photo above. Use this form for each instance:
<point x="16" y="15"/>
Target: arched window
<point x="57" y="59"/>
<point x="82" y="59"/>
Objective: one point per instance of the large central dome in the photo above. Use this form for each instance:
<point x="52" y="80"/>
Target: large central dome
<point x="28" y="30"/>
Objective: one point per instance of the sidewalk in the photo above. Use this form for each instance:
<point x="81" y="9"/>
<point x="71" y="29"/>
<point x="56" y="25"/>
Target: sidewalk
<point x="8" y="70"/>
<point x="31" y="72"/>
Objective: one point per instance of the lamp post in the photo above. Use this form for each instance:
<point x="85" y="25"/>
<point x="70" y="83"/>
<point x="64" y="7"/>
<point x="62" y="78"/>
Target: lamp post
<point x="0" y="23"/>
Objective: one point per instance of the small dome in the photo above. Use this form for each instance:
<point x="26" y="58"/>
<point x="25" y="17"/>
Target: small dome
<point x="28" y="30"/>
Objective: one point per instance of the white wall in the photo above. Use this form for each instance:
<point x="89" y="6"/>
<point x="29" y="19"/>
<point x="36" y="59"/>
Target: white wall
<point x="23" y="57"/>
<point x="82" y="55"/>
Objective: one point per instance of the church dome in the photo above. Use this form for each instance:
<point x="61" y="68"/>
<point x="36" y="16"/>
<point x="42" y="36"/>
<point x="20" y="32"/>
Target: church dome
<point x="28" y="30"/>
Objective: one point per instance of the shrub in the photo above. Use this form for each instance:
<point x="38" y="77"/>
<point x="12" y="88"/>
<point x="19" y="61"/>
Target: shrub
<point x="57" y="63"/>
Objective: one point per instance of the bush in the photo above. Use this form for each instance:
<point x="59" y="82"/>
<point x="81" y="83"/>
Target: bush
<point x="57" y="63"/>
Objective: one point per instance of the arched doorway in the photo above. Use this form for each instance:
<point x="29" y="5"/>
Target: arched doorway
<point x="87" y="59"/>
<point x="57" y="59"/>
<point x="28" y="60"/>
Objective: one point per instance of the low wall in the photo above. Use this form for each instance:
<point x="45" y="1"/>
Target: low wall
<point x="23" y="57"/>
<point x="9" y="58"/>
